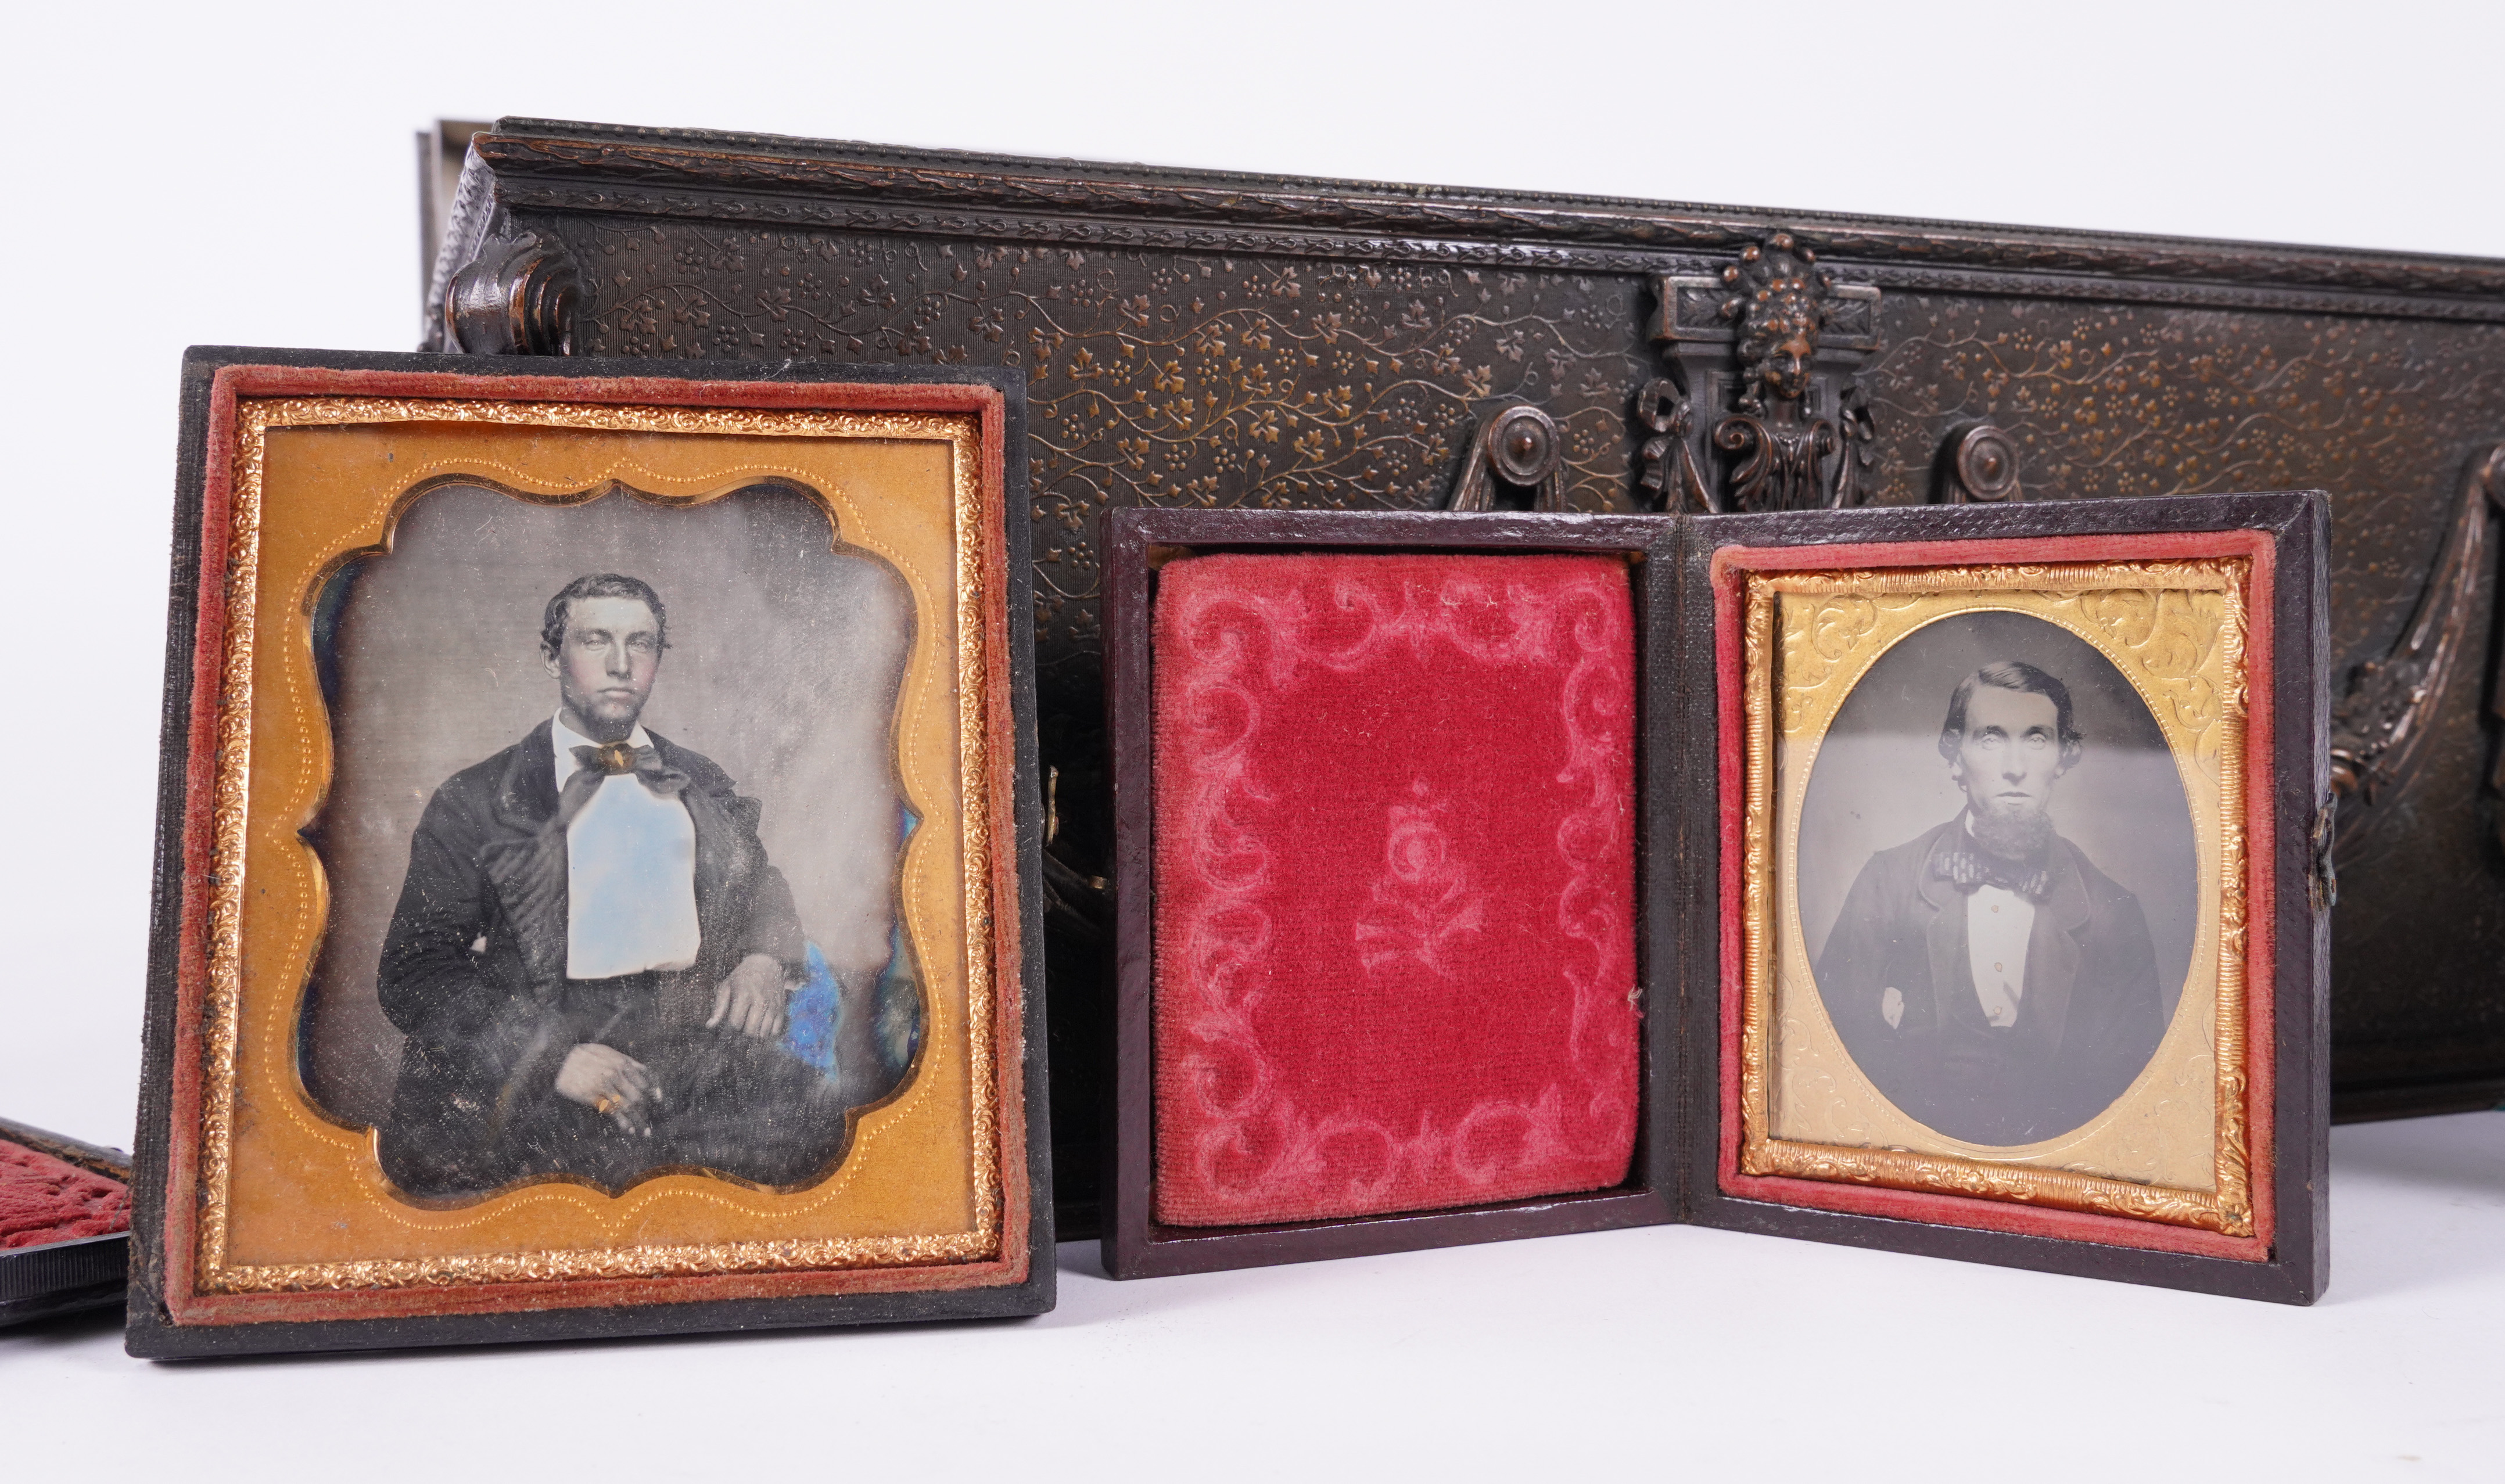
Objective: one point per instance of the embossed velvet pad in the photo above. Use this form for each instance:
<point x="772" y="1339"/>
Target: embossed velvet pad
<point x="1395" y="883"/>
<point x="44" y="1200"/>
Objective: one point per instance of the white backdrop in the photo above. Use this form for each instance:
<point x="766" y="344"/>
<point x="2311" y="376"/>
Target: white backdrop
<point x="242" y="173"/>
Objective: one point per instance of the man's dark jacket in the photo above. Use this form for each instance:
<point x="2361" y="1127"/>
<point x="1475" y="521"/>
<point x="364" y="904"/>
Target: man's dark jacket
<point x="2089" y="1017"/>
<point x="473" y="973"/>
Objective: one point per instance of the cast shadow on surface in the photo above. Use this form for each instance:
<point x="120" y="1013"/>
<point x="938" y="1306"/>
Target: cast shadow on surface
<point x="60" y="1332"/>
<point x="1089" y="1296"/>
<point x="1077" y="1260"/>
<point x="2416" y="1204"/>
<point x="473" y="1351"/>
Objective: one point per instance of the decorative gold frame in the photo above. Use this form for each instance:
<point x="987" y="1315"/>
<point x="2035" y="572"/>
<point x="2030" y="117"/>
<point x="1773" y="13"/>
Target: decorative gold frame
<point x="239" y="844"/>
<point x="2228" y="1208"/>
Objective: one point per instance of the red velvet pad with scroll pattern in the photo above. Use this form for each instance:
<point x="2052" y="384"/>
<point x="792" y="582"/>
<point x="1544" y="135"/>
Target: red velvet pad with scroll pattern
<point x="44" y="1200"/>
<point x="1395" y="883"/>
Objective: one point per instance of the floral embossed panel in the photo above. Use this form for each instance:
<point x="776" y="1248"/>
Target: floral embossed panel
<point x="1193" y="339"/>
<point x="1157" y="377"/>
<point x="1395" y="876"/>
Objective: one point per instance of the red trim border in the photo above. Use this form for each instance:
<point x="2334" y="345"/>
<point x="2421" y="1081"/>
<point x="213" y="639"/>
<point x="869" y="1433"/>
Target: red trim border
<point x="1731" y="567"/>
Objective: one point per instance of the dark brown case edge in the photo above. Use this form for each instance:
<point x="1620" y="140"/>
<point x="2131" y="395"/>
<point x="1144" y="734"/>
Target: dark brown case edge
<point x="150" y="1332"/>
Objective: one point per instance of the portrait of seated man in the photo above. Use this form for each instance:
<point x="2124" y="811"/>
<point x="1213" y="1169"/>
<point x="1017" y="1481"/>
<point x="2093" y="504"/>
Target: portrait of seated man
<point x="1986" y="976"/>
<point x="592" y="960"/>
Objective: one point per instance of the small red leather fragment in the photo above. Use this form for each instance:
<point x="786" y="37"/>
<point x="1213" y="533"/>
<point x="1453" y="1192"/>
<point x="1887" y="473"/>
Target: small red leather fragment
<point x="43" y="1199"/>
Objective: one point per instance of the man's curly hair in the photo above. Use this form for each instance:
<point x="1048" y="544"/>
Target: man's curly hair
<point x="599" y="585"/>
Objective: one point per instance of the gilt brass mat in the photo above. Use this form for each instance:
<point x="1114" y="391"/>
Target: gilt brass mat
<point x="2172" y="1147"/>
<point x="291" y="1200"/>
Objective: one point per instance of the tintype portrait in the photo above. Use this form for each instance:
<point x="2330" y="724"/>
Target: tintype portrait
<point x="590" y="924"/>
<point x="606" y="894"/>
<point x="1999" y="857"/>
<point x="1988" y="973"/>
<point x="597" y="965"/>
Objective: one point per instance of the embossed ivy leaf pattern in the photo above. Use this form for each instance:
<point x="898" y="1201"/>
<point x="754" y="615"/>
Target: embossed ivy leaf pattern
<point x="1156" y="378"/>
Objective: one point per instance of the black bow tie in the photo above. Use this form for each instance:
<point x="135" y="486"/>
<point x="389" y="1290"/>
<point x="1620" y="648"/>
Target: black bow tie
<point x="1966" y="868"/>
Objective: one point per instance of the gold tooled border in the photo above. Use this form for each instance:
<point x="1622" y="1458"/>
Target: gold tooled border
<point x="2228" y="1209"/>
<point x="232" y="799"/>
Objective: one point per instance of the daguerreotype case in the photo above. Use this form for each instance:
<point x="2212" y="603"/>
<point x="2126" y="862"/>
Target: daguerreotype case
<point x="596" y="877"/>
<point x="1197" y="338"/>
<point x="65" y="1224"/>
<point x="1953" y="880"/>
<point x="2020" y="884"/>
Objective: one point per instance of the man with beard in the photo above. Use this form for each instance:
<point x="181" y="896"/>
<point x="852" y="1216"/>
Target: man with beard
<point x="593" y="959"/>
<point x="1985" y="975"/>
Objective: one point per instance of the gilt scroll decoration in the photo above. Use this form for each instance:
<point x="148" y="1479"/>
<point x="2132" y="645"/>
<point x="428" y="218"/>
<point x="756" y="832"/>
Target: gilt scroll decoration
<point x="2178" y="629"/>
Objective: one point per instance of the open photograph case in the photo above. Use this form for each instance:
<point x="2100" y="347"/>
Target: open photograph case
<point x="1303" y="770"/>
<point x="597" y="860"/>
<point x="1972" y="883"/>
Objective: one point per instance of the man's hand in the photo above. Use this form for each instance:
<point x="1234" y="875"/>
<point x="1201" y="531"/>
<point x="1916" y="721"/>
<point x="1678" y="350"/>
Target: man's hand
<point x="753" y="1000"/>
<point x="609" y="1081"/>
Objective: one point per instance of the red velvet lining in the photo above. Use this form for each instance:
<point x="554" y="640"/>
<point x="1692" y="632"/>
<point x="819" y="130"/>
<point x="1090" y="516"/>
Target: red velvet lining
<point x="1395" y="883"/>
<point x="43" y="1199"/>
<point x="1731" y="568"/>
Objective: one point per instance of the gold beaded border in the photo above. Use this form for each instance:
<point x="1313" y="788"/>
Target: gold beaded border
<point x="2228" y="1209"/>
<point x="232" y="801"/>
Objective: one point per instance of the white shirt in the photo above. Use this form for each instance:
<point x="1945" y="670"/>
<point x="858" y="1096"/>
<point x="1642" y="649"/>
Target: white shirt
<point x="1997" y="923"/>
<point x="631" y="873"/>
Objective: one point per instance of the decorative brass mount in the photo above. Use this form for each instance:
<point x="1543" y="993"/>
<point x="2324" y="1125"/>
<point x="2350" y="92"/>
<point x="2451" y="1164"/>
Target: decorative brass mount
<point x="514" y="297"/>
<point x="2379" y="730"/>
<point x="1758" y="407"/>
<point x="1519" y="448"/>
<point x="1978" y="465"/>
